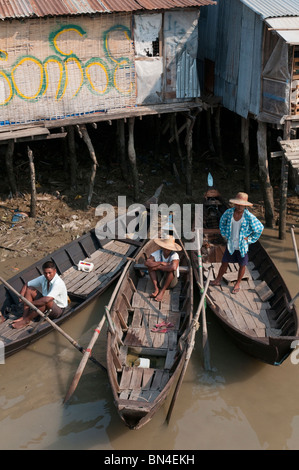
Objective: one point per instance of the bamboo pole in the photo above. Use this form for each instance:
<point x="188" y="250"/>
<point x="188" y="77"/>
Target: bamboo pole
<point x="56" y="327"/>
<point x="190" y="347"/>
<point x="205" y="340"/>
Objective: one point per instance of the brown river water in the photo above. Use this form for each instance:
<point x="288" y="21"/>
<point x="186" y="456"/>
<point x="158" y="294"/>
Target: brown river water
<point x="242" y="404"/>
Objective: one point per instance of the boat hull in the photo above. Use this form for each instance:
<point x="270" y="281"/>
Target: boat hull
<point x="139" y="392"/>
<point x="258" y="319"/>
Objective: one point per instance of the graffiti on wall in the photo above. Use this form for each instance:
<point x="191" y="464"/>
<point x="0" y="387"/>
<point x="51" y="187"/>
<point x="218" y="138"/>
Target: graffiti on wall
<point x="67" y="73"/>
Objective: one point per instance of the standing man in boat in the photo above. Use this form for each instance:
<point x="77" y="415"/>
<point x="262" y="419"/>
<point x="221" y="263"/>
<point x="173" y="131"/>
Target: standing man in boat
<point x="240" y="228"/>
<point x="46" y="292"/>
<point x="163" y="266"/>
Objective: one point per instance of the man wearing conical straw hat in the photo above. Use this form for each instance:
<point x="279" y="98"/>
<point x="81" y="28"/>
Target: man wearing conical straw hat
<point x="240" y="228"/>
<point x="163" y="266"/>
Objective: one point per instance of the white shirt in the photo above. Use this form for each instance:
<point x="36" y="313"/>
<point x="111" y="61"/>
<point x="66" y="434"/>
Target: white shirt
<point x="235" y="233"/>
<point x="57" y="289"/>
<point x="158" y="255"/>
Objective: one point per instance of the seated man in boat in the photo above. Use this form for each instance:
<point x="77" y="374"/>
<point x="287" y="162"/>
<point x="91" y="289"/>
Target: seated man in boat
<point x="46" y="292"/>
<point x="163" y="266"/>
<point x="240" y="228"/>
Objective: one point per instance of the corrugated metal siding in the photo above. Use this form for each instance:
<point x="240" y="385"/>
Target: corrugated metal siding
<point x="273" y="8"/>
<point x="43" y="8"/>
<point x="237" y="54"/>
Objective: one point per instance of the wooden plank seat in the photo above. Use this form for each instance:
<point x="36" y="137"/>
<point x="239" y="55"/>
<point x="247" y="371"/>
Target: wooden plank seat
<point x="106" y="263"/>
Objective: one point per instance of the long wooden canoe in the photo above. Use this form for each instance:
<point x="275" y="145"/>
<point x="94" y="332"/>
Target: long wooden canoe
<point x="258" y="317"/>
<point x="108" y="257"/>
<point x="143" y="365"/>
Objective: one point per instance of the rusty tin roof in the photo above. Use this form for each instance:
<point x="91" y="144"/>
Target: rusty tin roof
<point x="43" y="8"/>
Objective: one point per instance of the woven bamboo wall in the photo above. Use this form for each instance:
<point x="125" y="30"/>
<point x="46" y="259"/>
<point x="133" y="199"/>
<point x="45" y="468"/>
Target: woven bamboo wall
<point x="57" y="67"/>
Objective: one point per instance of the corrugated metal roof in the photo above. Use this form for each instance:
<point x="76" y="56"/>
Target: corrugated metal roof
<point x="43" y="8"/>
<point x="273" y="8"/>
<point x="287" y="28"/>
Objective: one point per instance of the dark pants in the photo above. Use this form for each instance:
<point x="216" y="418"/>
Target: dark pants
<point x="235" y="258"/>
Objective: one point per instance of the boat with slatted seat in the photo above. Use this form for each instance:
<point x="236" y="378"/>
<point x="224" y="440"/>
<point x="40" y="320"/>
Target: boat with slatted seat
<point x="259" y="317"/>
<point x="108" y="256"/>
<point x="143" y="365"/>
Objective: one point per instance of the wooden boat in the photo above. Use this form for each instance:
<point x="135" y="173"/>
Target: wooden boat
<point x="108" y="257"/>
<point x="258" y="317"/>
<point x="140" y="391"/>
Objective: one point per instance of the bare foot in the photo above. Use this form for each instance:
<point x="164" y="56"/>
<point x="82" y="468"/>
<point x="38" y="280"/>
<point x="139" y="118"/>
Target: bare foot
<point x="19" y="324"/>
<point x="2" y="318"/>
<point x="215" y="283"/>
<point x="235" y="289"/>
<point x="159" y="297"/>
<point x="154" y="294"/>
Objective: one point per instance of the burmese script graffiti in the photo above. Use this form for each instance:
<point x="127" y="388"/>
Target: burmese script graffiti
<point x="64" y="74"/>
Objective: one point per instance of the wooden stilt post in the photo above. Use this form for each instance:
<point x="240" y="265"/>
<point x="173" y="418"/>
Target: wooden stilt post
<point x="121" y="146"/>
<point x="283" y="197"/>
<point x="9" y="167"/>
<point x="284" y="185"/>
<point x="218" y="140"/>
<point x="245" y="142"/>
<point x="264" y="173"/>
<point x="33" y="186"/>
<point x="209" y="131"/>
<point x="92" y="154"/>
<point x="132" y="159"/>
<point x="188" y="142"/>
<point x="176" y="134"/>
<point x="72" y="155"/>
<point x="157" y="128"/>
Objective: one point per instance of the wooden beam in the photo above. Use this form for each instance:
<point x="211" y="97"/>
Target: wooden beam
<point x="21" y="133"/>
<point x="60" y="135"/>
<point x="125" y="113"/>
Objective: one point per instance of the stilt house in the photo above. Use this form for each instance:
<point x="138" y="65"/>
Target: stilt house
<point x="69" y="63"/>
<point x="249" y="56"/>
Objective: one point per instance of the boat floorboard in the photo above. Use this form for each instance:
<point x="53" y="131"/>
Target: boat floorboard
<point x="246" y="310"/>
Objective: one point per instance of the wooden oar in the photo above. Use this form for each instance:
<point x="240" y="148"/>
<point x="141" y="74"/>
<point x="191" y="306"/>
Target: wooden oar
<point x="94" y="338"/>
<point x="295" y="245"/>
<point x="291" y="303"/>
<point x="190" y="346"/>
<point x="205" y="340"/>
<point x="56" y="327"/>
